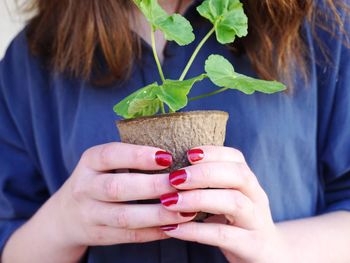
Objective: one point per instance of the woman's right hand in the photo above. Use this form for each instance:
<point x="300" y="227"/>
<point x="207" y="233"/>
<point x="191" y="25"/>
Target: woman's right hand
<point x="92" y="209"/>
<point x="91" y="205"/>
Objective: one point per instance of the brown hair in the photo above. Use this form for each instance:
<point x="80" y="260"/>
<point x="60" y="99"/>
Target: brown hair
<point x="72" y="34"/>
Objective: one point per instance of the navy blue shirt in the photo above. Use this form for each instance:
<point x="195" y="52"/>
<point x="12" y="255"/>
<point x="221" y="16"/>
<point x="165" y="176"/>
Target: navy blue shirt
<point x="297" y="144"/>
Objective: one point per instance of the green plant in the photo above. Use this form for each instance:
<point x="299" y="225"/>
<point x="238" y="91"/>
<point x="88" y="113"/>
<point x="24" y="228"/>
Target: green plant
<point x="229" y="21"/>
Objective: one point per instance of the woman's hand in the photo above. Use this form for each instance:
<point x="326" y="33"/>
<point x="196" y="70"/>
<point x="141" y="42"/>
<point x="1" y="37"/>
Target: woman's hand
<point x="92" y="204"/>
<point x="220" y="182"/>
<point x="91" y="208"/>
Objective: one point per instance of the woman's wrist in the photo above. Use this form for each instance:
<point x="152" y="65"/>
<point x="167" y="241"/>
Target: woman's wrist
<point x="46" y="235"/>
<point x="282" y="251"/>
<point x="60" y="230"/>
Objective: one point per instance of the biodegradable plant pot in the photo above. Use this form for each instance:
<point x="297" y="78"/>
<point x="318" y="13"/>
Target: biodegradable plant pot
<point x="176" y="132"/>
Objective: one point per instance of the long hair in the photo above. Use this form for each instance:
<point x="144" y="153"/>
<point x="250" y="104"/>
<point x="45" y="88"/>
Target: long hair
<point x="73" y="35"/>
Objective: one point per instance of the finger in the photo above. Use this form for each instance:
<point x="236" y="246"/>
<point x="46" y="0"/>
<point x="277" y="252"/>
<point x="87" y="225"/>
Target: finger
<point x="227" y="237"/>
<point x="210" y="153"/>
<point x="105" y="235"/>
<point x="136" y="216"/>
<point x="116" y="155"/>
<point x="128" y="187"/>
<point x="237" y="208"/>
<point x="229" y="175"/>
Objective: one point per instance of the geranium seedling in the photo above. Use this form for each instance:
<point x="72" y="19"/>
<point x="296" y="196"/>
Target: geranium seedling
<point x="229" y="21"/>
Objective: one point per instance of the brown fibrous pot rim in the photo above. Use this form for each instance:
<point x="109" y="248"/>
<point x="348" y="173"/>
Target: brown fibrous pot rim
<point x="172" y="115"/>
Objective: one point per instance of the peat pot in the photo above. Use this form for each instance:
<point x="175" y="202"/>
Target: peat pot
<point x="176" y="132"/>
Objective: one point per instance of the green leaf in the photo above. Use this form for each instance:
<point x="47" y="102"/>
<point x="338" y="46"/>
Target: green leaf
<point x="204" y="11"/>
<point x="251" y="84"/>
<point x="221" y="72"/>
<point x="151" y="10"/>
<point x="175" y="27"/>
<point x="174" y="93"/>
<point x="228" y="18"/>
<point x="147" y="101"/>
<point x="236" y="18"/>
<point x="218" y="7"/>
<point x="144" y="107"/>
<point x="143" y="102"/>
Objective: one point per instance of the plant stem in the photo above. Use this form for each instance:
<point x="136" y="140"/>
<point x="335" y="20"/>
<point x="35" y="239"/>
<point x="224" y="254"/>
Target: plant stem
<point x="156" y="58"/>
<point x="195" y="53"/>
<point x="156" y="55"/>
<point x="162" y="108"/>
<point x="209" y="94"/>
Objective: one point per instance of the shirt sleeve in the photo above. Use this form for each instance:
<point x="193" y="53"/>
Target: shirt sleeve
<point x="334" y="124"/>
<point x="22" y="188"/>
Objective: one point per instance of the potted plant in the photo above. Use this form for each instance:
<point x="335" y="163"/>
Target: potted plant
<point x="175" y="131"/>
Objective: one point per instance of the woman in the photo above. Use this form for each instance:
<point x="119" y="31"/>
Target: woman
<point x="280" y="189"/>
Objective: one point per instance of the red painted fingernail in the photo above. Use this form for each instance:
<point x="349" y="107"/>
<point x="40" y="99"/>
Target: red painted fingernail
<point x="195" y="155"/>
<point x="164" y="158"/>
<point x="178" y="177"/>
<point x="185" y="214"/>
<point x="169" y="227"/>
<point x="169" y="199"/>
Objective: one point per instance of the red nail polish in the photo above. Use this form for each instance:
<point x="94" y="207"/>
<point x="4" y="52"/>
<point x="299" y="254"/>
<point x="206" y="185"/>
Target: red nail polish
<point x="195" y="155"/>
<point x="178" y="177"/>
<point x="169" y="199"/>
<point x="164" y="158"/>
<point x="169" y="227"/>
<point x="185" y="214"/>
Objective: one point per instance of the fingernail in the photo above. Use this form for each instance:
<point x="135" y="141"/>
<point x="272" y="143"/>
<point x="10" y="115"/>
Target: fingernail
<point x="184" y="214"/>
<point x="195" y="155"/>
<point x="178" y="177"/>
<point x="164" y="158"/>
<point x="169" y="227"/>
<point x="169" y="199"/>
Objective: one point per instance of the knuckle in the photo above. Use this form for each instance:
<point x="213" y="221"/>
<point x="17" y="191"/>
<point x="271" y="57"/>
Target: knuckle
<point x="206" y="172"/>
<point x="112" y="189"/>
<point x="164" y="216"/>
<point x="197" y="198"/>
<point x="134" y="236"/>
<point x="105" y="154"/>
<point x="238" y="154"/>
<point x="249" y="179"/>
<point x="138" y="155"/>
<point x="194" y="233"/>
<point x="78" y="191"/>
<point x="223" y="235"/>
<point x="161" y="215"/>
<point x="264" y="198"/>
<point x="96" y="236"/>
<point x="155" y="183"/>
<point x="250" y="174"/>
<point x="121" y="218"/>
<point x="85" y="155"/>
<point x="242" y="203"/>
<point x="233" y="208"/>
<point x="238" y="199"/>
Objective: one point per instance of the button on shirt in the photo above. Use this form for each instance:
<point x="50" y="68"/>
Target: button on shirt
<point x="297" y="143"/>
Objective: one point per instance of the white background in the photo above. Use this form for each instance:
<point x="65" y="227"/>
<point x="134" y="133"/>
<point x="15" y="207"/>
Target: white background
<point x="11" y="22"/>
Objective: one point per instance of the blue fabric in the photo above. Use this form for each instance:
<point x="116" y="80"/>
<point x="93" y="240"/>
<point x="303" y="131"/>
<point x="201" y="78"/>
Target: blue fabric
<point x="297" y="144"/>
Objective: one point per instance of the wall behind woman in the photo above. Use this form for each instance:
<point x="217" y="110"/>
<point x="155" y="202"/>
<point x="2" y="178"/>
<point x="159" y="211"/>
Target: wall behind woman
<point x="11" y="22"/>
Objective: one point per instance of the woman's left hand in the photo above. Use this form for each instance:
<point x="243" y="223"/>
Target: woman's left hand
<point x="220" y="182"/>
